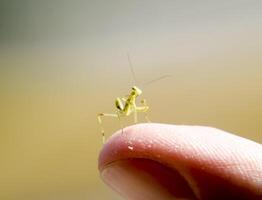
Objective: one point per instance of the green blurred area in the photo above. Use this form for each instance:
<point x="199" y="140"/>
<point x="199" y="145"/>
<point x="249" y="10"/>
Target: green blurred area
<point x="61" y="62"/>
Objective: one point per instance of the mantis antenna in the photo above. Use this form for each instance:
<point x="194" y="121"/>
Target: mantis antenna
<point x="157" y="79"/>
<point x="134" y="75"/>
<point x="132" y="69"/>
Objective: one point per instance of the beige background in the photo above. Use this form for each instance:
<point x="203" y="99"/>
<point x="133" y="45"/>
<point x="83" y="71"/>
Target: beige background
<point x="61" y="62"/>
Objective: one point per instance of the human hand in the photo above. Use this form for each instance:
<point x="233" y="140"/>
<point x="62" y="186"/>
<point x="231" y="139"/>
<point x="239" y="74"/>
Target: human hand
<point x="159" y="162"/>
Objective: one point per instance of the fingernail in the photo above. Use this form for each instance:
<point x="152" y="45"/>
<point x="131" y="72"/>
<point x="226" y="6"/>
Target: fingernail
<point x="143" y="179"/>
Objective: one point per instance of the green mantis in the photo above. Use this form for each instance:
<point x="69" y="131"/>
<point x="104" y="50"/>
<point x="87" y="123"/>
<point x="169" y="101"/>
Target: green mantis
<point x="125" y="106"/>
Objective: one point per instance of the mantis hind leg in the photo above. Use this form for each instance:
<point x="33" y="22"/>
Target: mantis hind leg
<point x="135" y="116"/>
<point x="144" y="109"/>
<point x="147" y="118"/>
<point x="99" y="119"/>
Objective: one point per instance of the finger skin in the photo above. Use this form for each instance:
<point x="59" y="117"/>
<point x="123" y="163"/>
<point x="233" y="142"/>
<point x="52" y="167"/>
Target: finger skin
<point x="213" y="163"/>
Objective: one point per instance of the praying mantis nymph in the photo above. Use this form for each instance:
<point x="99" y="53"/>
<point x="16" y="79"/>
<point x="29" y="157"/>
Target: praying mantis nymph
<point x="125" y="106"/>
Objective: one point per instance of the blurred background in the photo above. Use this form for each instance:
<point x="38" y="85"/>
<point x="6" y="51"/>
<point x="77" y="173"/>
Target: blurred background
<point x="62" y="62"/>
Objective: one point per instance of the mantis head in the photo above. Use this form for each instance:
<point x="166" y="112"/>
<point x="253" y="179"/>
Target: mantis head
<point x="136" y="91"/>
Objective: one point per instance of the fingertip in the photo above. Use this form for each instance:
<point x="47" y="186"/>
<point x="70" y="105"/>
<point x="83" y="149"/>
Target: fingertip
<point x="208" y="160"/>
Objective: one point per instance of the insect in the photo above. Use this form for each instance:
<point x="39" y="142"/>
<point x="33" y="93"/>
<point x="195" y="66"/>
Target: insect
<point x="126" y="106"/>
